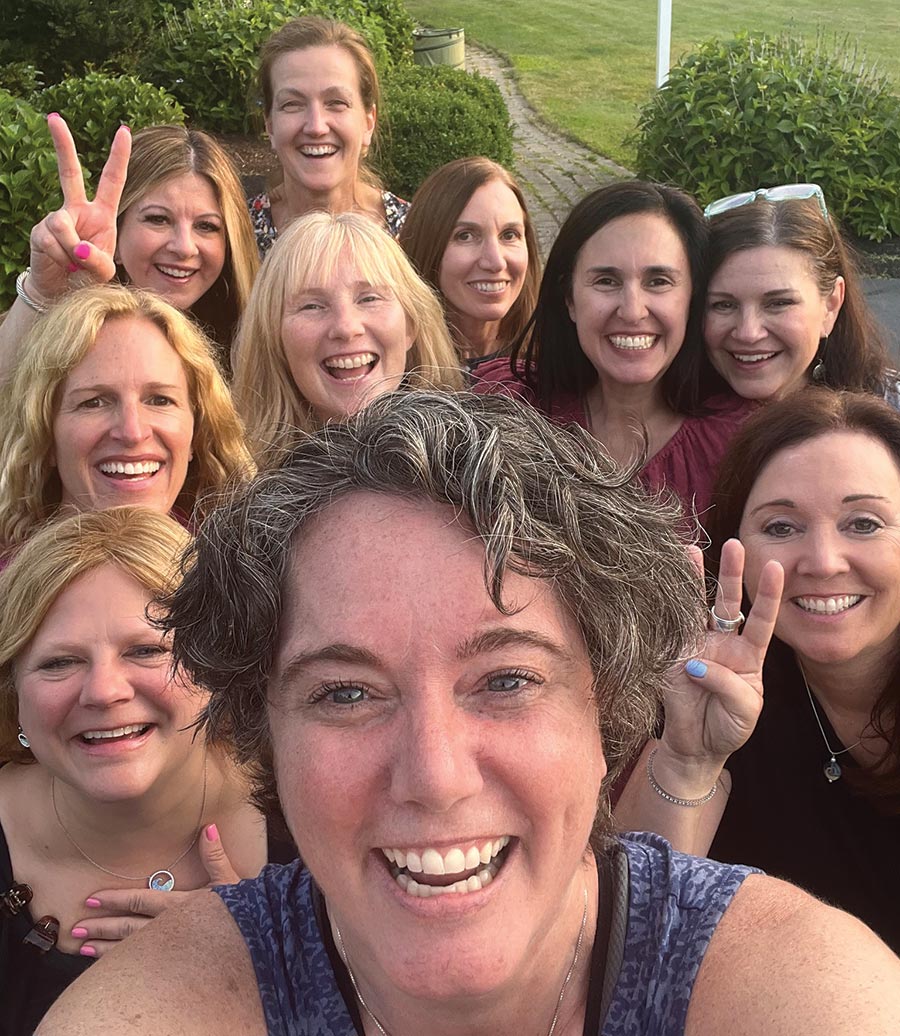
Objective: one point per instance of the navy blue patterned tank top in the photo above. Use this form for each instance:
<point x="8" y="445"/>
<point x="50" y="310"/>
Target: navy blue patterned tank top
<point x="674" y="904"/>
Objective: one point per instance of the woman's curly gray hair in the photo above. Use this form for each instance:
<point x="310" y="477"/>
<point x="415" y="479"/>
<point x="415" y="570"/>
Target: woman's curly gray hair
<point x="546" y="502"/>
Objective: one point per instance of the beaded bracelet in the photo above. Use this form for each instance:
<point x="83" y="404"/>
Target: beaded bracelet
<point x="661" y="791"/>
<point x="37" y="306"/>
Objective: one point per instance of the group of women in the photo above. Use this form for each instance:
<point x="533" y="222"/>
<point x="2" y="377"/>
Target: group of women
<point x="658" y="329"/>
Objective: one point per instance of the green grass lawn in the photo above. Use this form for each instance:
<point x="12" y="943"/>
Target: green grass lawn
<point x="586" y="66"/>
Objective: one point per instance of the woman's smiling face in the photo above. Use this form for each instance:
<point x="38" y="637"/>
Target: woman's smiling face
<point x="345" y="341"/>
<point x="765" y="318"/>
<point x="417" y="729"/>
<point x="828" y="509"/>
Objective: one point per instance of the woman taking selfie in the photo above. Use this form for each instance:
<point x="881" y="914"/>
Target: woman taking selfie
<point x="440" y="742"/>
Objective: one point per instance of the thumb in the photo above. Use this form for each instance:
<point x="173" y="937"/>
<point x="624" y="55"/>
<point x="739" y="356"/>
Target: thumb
<point x="214" y="858"/>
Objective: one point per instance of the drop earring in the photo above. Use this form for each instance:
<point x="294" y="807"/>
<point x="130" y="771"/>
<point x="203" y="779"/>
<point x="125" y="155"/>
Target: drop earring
<point x="818" y="371"/>
<point x="23" y="739"/>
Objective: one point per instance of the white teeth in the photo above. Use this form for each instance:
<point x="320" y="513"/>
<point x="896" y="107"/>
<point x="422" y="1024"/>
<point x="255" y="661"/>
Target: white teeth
<point x="454" y="861"/>
<point x="349" y="362"/>
<point x="635" y="342"/>
<point x="146" y="467"/>
<point x="752" y="357"/>
<point x="99" y="735"/>
<point x="490" y="287"/>
<point x="474" y="883"/>
<point x="827" y="605"/>
<point x="172" y="271"/>
<point x="317" y="150"/>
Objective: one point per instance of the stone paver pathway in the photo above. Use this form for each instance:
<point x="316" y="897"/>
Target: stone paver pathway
<point x="553" y="170"/>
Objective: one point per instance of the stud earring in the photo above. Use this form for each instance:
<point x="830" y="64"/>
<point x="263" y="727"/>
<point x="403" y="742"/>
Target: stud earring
<point x="23" y="739"/>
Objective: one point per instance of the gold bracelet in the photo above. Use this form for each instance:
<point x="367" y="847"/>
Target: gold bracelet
<point x="674" y="799"/>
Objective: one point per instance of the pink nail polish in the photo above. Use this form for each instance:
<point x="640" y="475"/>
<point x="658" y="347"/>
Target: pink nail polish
<point x="212" y="833"/>
<point x="82" y="250"/>
<point x="92" y="901"/>
<point x="88" y="951"/>
<point x="79" y="933"/>
<point x="54" y="115"/>
<point x="74" y="267"/>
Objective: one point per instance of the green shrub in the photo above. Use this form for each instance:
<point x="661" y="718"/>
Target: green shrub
<point x="61" y="36"/>
<point x="29" y="185"/>
<point x="433" y="115"/>
<point x="20" y="79"/>
<point x="759" y="111"/>
<point x="96" y="104"/>
<point x="207" y="55"/>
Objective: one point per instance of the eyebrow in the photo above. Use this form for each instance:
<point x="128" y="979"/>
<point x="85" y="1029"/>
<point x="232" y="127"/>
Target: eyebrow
<point x="502" y="637"/>
<point x="155" y="386"/>
<point x="337" y="652"/>
<point x="671" y="271"/>
<point x="852" y="499"/>
<point x="147" y="205"/>
<point x="468" y="223"/>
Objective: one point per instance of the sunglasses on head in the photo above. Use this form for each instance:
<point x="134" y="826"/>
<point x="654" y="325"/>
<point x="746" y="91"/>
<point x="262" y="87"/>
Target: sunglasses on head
<point x="786" y="192"/>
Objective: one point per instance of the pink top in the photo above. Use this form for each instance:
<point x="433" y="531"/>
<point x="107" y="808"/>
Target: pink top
<point x="686" y="465"/>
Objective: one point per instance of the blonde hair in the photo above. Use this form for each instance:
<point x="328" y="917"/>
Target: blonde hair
<point x="311" y="250"/>
<point x="160" y="153"/>
<point x="142" y="543"/>
<point x="30" y="490"/>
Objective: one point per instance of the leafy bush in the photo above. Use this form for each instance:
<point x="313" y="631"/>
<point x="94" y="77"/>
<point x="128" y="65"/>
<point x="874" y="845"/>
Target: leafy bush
<point x="96" y="104"/>
<point x="20" y="78"/>
<point x="61" y="36"/>
<point x="759" y="111"/>
<point x="432" y="115"/>
<point x="207" y="55"/>
<point x="29" y="185"/>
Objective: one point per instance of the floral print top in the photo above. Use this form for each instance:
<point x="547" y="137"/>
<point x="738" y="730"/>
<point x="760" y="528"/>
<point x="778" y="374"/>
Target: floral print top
<point x="395" y="210"/>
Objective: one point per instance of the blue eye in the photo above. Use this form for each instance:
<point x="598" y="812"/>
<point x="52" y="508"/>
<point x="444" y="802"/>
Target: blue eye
<point x="511" y="682"/>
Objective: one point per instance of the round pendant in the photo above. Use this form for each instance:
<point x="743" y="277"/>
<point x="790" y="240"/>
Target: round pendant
<point x="832" y="770"/>
<point x="164" y="881"/>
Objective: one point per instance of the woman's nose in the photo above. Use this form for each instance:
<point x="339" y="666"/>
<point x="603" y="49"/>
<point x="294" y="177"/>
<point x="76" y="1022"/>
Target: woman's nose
<point x="130" y="424"/>
<point x="749" y="326"/>
<point x="632" y="303"/>
<point x="491" y="257"/>
<point x="436" y="763"/>
<point x="823" y="554"/>
<point x="346" y="322"/>
<point x="105" y="684"/>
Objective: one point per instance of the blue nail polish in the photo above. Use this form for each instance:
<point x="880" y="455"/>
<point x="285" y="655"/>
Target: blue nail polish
<point x="696" y="668"/>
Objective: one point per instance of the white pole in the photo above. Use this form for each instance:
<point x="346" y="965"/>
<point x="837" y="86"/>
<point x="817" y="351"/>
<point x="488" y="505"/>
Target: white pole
<point x="663" y="41"/>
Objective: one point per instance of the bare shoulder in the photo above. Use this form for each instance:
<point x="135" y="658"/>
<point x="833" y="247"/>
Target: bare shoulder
<point x="782" y="962"/>
<point x="186" y="974"/>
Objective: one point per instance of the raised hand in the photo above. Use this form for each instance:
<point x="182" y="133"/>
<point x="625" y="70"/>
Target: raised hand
<point x="118" y="913"/>
<point x="80" y="238"/>
<point x="712" y="705"/>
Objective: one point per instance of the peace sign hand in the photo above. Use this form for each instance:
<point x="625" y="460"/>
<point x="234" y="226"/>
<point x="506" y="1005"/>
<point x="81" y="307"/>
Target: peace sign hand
<point x="81" y="236"/>
<point x="712" y="707"/>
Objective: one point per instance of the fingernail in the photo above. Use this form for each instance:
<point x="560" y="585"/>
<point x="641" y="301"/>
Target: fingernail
<point x="125" y="126"/>
<point x="696" y="668"/>
<point x="79" y="933"/>
<point x="212" y="833"/>
<point x="92" y="901"/>
<point x="54" y="115"/>
<point x="88" y="951"/>
<point x="74" y="267"/>
<point x="82" y="250"/>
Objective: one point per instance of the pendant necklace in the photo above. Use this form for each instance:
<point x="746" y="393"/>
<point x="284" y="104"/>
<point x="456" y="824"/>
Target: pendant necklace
<point x="162" y="880"/>
<point x="832" y="769"/>
<point x="559" y="1001"/>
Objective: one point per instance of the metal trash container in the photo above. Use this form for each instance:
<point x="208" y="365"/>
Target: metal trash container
<point x="440" y="47"/>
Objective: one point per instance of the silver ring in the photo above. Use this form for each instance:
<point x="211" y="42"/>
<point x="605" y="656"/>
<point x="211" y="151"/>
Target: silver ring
<point x="720" y="625"/>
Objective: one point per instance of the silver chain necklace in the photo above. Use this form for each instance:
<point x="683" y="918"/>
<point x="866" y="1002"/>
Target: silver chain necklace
<point x="162" y="880"/>
<point x="559" y="1001"/>
<point x="832" y="769"/>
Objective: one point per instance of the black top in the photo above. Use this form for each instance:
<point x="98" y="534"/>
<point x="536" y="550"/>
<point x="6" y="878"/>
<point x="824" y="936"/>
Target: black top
<point x="29" y="980"/>
<point x="786" y="818"/>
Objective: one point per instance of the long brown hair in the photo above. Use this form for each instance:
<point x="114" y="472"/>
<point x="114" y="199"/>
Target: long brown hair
<point x="436" y="207"/>
<point x="802" y="416"/>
